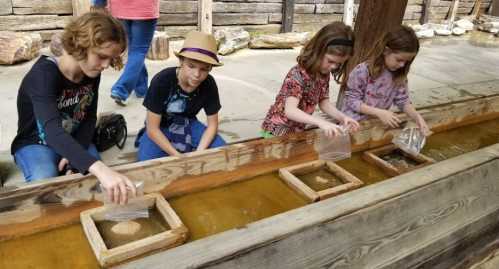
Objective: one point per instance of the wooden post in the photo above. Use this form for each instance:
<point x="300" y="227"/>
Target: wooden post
<point x="478" y="3"/>
<point x="373" y="19"/>
<point x="288" y="12"/>
<point x="348" y="12"/>
<point x="453" y="11"/>
<point x="205" y="16"/>
<point x="81" y="6"/>
<point x="494" y="8"/>
<point x="425" y="12"/>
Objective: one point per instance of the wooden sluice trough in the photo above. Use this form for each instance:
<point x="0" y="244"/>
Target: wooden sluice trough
<point x="444" y="215"/>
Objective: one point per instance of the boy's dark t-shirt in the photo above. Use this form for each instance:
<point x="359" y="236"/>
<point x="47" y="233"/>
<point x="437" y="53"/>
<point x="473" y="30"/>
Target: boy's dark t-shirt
<point x="58" y="113"/>
<point x="165" y="97"/>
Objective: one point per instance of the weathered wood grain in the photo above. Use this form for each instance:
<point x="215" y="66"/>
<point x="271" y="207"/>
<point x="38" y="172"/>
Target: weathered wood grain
<point x="178" y="31"/>
<point x="178" y="6"/>
<point x="303" y="8"/>
<point x="267" y="29"/>
<point x="288" y="11"/>
<point x="205" y="19"/>
<point x="239" y="18"/>
<point x="307" y="18"/>
<point x="5" y="7"/>
<point x="23" y="7"/>
<point x="330" y="8"/>
<point x="33" y="22"/>
<point x="219" y="7"/>
<point x="421" y="213"/>
<point x="81" y="6"/>
<point x="177" y="19"/>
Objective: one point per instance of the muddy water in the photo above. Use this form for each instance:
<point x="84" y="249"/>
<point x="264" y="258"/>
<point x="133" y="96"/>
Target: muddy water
<point x="220" y="209"/>
<point x="363" y="170"/>
<point x="399" y="161"/>
<point x="448" y="144"/>
<point x="320" y="179"/>
<point x="153" y="225"/>
<point x="62" y="248"/>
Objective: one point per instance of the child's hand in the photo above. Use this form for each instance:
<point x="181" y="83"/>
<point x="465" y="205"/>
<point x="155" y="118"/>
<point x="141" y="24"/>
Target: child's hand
<point x="115" y="183"/>
<point x="354" y="125"/>
<point x="389" y="118"/>
<point x="331" y="129"/>
<point x="421" y="123"/>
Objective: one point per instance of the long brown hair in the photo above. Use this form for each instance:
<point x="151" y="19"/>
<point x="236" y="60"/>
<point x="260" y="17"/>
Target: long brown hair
<point x="89" y="31"/>
<point x="312" y="53"/>
<point x="398" y="39"/>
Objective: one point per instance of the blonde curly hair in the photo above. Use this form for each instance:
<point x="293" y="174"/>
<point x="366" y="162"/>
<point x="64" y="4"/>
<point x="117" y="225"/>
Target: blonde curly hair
<point x="91" y="30"/>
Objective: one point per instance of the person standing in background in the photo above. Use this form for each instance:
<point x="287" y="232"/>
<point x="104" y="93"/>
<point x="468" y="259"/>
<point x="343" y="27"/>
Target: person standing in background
<point x="140" y="18"/>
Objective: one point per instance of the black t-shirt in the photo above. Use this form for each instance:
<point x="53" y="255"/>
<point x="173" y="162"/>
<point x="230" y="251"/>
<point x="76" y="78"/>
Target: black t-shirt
<point x="57" y="112"/>
<point x="165" y="97"/>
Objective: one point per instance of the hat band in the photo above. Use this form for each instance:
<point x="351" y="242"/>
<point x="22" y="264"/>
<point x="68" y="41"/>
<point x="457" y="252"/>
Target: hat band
<point x="341" y="42"/>
<point x="202" y="51"/>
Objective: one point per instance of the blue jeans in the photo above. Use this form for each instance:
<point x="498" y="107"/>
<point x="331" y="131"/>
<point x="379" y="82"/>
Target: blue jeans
<point x="134" y="78"/>
<point x="148" y="150"/>
<point x="40" y="162"/>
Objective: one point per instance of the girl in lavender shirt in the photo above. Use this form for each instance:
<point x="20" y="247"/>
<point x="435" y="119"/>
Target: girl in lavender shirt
<point x="373" y="86"/>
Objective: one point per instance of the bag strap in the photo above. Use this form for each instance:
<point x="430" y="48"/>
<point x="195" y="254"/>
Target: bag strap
<point x="116" y="139"/>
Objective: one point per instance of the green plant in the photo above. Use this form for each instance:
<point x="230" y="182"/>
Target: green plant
<point x="253" y="33"/>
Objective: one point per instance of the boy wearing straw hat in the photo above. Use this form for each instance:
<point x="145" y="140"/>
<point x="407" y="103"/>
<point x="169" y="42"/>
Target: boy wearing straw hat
<point x="175" y="97"/>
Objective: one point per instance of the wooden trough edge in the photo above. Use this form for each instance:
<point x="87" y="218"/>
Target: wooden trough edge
<point x="52" y="203"/>
<point x="424" y="212"/>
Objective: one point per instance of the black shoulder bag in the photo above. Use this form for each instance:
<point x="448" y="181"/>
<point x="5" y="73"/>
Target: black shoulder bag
<point x="109" y="133"/>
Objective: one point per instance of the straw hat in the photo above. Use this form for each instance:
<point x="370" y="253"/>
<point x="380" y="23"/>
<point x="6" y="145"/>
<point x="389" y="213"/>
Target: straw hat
<point x="200" y="46"/>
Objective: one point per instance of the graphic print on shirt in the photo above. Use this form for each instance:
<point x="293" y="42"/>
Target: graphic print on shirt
<point x="72" y="104"/>
<point x="176" y="104"/>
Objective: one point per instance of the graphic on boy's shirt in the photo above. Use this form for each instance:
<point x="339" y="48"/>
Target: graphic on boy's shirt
<point x="176" y="104"/>
<point x="72" y="104"/>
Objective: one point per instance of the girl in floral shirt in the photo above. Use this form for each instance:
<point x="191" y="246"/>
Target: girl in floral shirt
<point x="375" y="85"/>
<point x="307" y="84"/>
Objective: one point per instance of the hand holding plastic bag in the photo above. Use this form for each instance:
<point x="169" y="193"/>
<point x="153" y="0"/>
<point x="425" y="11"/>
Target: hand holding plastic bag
<point x="335" y="149"/>
<point x="411" y="139"/>
<point x="135" y="208"/>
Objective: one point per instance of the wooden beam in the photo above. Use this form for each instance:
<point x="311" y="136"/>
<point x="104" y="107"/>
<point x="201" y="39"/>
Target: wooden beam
<point x="81" y="6"/>
<point x="425" y="12"/>
<point x="288" y="11"/>
<point x="452" y="11"/>
<point x="348" y="12"/>
<point x="494" y="8"/>
<point x="373" y="19"/>
<point x="205" y="21"/>
<point x="5" y="7"/>
<point x="476" y="7"/>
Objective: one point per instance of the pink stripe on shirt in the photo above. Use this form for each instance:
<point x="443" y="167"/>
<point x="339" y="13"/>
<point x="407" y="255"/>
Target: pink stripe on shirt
<point x="134" y="9"/>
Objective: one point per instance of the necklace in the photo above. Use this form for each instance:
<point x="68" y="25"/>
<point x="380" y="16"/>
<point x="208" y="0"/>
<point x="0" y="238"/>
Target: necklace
<point x="188" y="98"/>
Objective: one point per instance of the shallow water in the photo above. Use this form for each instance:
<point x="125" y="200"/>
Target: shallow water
<point x="320" y="179"/>
<point x="399" y="161"/>
<point x="227" y="207"/>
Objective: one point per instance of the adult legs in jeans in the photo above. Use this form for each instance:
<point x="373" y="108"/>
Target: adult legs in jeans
<point x="40" y="162"/>
<point x="140" y="34"/>
<point x="148" y="150"/>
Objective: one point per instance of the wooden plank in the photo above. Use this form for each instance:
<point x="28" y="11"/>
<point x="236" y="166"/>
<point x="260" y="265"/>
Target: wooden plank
<point x="307" y="18"/>
<point x="373" y="19"/>
<point x="177" y="19"/>
<point x="287" y="16"/>
<point x="239" y="18"/>
<point x="494" y="8"/>
<point x="23" y="7"/>
<point x="491" y="263"/>
<point x="81" y="6"/>
<point x="330" y="9"/>
<point x="452" y="11"/>
<point x="33" y="22"/>
<point x="38" y="206"/>
<point x="178" y="31"/>
<point x="482" y="244"/>
<point x="267" y="29"/>
<point x="6" y="7"/>
<point x="421" y="221"/>
<point x="219" y="7"/>
<point x="178" y="7"/>
<point x="205" y="18"/>
<point x="300" y="9"/>
<point x="348" y="12"/>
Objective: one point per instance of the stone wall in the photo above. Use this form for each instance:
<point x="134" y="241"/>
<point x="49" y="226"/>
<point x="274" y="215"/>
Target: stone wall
<point x="180" y="16"/>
